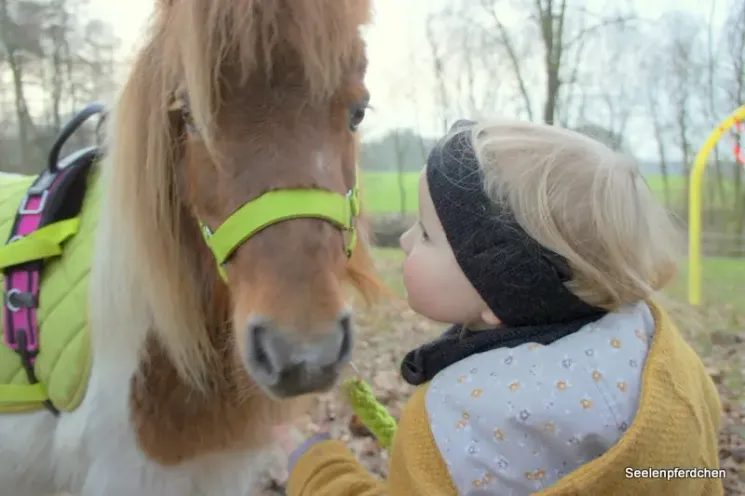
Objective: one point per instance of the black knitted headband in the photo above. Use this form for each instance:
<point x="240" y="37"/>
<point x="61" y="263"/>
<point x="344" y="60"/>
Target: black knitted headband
<point x="520" y="280"/>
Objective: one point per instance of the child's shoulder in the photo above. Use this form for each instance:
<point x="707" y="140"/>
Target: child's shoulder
<point x="560" y="405"/>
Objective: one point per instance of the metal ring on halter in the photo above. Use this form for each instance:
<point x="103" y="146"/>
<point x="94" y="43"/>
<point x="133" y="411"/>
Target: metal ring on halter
<point x="8" y="304"/>
<point x="347" y="235"/>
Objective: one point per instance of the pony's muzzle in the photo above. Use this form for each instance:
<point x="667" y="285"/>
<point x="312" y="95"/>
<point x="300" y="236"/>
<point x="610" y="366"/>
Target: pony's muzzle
<point x="287" y="364"/>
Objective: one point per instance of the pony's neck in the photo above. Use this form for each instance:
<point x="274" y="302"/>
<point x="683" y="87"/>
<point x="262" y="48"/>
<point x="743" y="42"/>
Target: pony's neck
<point x="173" y="420"/>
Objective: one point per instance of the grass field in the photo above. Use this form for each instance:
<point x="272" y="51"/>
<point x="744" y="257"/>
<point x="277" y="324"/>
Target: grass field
<point x="723" y="280"/>
<point x="381" y="193"/>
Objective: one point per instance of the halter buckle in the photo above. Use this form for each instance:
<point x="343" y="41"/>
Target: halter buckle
<point x="350" y="233"/>
<point x="206" y="232"/>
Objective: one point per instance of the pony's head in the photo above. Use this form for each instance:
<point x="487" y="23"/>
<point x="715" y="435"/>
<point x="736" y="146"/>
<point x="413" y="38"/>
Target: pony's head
<point x="229" y="100"/>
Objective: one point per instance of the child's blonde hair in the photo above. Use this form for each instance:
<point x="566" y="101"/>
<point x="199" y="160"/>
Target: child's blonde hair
<point x="586" y="202"/>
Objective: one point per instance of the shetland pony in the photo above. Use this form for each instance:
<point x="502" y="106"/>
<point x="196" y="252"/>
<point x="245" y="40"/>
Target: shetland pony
<point x="227" y="100"/>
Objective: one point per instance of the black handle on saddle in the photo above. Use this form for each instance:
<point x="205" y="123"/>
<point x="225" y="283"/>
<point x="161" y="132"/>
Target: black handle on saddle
<point x="67" y="131"/>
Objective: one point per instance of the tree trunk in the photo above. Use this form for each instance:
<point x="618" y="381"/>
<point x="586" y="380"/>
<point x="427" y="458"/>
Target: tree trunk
<point x="16" y="68"/>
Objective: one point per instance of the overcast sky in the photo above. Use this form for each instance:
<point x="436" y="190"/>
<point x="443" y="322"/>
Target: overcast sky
<point x="398" y="30"/>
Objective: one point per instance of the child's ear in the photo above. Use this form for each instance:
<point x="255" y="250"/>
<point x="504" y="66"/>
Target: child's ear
<point x="488" y="317"/>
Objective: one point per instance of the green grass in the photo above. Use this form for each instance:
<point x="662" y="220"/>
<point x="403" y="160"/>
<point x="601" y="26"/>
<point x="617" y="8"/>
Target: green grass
<point x="676" y="185"/>
<point x="381" y="191"/>
<point x="723" y="280"/>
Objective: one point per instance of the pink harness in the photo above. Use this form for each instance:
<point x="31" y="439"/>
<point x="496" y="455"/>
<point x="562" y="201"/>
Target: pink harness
<point x="56" y="194"/>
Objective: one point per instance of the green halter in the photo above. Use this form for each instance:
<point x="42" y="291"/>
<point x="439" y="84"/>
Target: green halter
<point x="280" y="205"/>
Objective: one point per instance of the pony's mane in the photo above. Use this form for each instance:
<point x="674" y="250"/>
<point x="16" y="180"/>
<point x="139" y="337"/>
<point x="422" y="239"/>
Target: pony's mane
<point x="189" y="42"/>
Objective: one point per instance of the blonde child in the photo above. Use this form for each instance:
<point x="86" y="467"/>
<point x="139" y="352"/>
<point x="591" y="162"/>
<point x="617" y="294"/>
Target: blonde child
<point x="560" y="376"/>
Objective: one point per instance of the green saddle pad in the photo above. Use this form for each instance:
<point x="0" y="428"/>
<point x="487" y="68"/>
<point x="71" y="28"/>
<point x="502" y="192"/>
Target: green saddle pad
<point x="63" y="363"/>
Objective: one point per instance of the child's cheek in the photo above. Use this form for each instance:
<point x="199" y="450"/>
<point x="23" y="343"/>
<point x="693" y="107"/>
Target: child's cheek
<point x="421" y="284"/>
<point x="417" y="282"/>
<point x="411" y="275"/>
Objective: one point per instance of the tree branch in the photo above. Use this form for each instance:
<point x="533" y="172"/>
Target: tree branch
<point x="509" y="47"/>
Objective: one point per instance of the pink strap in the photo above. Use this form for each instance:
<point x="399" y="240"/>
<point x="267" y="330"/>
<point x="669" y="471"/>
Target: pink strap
<point x="22" y="282"/>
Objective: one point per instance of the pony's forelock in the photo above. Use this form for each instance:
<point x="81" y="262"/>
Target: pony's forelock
<point x="201" y="36"/>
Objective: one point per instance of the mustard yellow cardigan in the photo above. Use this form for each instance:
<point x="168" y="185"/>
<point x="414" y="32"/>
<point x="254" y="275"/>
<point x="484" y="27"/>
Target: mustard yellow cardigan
<point x="676" y="425"/>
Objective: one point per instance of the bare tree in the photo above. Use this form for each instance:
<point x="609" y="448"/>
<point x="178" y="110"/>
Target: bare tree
<point x="678" y="65"/>
<point x="694" y="77"/>
<point x="58" y="34"/>
<point x="713" y="108"/>
<point x="400" y="148"/>
<point x="610" y="94"/>
<point x="508" y="44"/>
<point x="735" y="66"/>
<point x="559" y="30"/>
<point x="20" y="23"/>
<point x="438" y="69"/>
<point x="46" y="50"/>
<point x="654" y="97"/>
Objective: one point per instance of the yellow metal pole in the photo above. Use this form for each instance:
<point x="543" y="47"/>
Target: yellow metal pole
<point x="694" y="207"/>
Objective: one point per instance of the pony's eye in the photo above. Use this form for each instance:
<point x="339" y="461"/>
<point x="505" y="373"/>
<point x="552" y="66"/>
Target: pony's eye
<point x="357" y="115"/>
<point x="180" y="104"/>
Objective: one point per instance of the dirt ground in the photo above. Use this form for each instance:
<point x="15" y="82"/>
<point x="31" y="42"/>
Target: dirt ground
<point x="389" y="330"/>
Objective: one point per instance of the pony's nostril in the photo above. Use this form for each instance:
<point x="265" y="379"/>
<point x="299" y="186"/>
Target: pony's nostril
<point x="258" y="354"/>
<point x="347" y="339"/>
<point x="257" y="334"/>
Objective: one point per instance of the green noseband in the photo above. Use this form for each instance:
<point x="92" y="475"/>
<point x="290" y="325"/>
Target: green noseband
<point x="281" y="205"/>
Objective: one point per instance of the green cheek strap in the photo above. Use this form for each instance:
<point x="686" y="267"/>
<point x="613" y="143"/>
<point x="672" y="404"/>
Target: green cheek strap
<point x="280" y="205"/>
